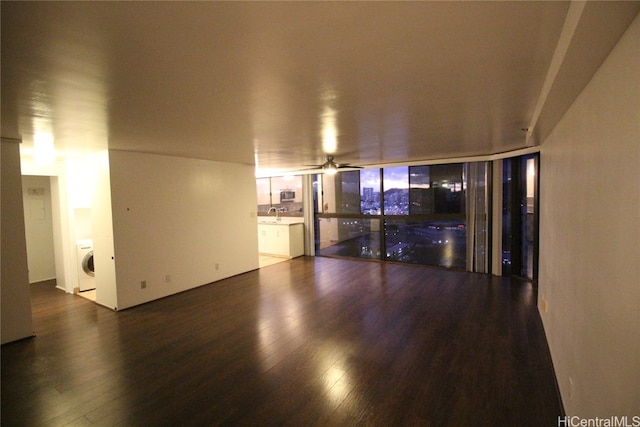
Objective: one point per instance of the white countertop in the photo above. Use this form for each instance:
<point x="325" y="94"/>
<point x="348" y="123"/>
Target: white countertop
<point x="271" y="220"/>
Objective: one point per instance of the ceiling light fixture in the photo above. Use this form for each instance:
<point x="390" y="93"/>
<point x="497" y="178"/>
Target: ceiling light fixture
<point x="330" y="168"/>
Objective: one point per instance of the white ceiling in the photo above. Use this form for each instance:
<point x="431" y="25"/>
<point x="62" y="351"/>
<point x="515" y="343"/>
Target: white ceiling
<point x="269" y="81"/>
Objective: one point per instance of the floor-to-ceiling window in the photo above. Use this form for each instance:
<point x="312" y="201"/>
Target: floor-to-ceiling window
<point x="348" y="224"/>
<point x="413" y="214"/>
<point x="520" y="216"/>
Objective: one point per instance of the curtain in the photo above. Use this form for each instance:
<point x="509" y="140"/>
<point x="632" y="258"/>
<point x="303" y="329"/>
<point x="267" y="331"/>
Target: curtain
<point x="477" y="211"/>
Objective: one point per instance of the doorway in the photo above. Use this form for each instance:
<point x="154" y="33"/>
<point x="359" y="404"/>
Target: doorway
<point x="520" y="216"/>
<point x="37" y="208"/>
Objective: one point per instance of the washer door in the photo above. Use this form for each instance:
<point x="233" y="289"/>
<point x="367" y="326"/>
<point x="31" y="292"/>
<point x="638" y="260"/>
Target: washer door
<point x="87" y="264"/>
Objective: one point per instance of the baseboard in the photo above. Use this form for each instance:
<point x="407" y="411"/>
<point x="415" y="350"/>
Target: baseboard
<point x="42" y="281"/>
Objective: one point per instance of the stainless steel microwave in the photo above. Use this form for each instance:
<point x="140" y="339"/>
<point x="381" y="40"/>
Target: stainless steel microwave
<point x="287" y="195"/>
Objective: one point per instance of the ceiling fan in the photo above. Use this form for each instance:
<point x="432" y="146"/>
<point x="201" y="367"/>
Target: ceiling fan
<point x="331" y="168"/>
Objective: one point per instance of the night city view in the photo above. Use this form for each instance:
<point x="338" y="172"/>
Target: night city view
<point x="421" y="211"/>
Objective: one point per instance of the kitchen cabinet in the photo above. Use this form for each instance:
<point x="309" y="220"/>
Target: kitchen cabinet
<point x="281" y="239"/>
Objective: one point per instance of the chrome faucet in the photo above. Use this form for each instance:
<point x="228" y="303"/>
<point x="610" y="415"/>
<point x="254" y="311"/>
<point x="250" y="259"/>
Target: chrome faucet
<point x="277" y="212"/>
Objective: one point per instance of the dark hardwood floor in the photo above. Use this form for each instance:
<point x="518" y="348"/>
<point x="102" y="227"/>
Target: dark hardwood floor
<point x="311" y="341"/>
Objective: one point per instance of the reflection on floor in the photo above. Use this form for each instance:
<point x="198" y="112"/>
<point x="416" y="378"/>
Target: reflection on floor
<point x="90" y="295"/>
<point x="266" y="261"/>
<point x="318" y="341"/>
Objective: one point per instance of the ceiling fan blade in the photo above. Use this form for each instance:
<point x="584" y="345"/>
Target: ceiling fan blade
<point x="330" y="164"/>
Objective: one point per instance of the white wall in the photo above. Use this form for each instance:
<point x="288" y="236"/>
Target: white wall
<point x="64" y="240"/>
<point x="60" y="230"/>
<point x="590" y="240"/>
<point x="181" y="218"/>
<point x="14" y="279"/>
<point x="36" y="197"/>
<point x="102" y="233"/>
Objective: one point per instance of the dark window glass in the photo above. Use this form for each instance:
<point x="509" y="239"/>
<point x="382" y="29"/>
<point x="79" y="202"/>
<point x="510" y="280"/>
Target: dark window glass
<point x="341" y="192"/>
<point x="436" y="189"/>
<point x="448" y="188"/>
<point x="349" y="192"/>
<point x="440" y="243"/>
<point x="519" y="217"/>
<point x="348" y="237"/>
<point x="507" y="209"/>
<point x="316" y="180"/>
<point x="420" y="192"/>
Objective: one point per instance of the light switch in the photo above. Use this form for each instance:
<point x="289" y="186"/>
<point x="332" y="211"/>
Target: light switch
<point x="39" y="191"/>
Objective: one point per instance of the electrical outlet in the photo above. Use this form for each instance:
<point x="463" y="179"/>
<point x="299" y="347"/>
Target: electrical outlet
<point x="217" y="266"/>
<point x="167" y="278"/>
<point x="143" y="284"/>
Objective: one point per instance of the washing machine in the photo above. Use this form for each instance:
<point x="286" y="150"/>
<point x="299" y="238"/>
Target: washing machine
<point x="86" y="272"/>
